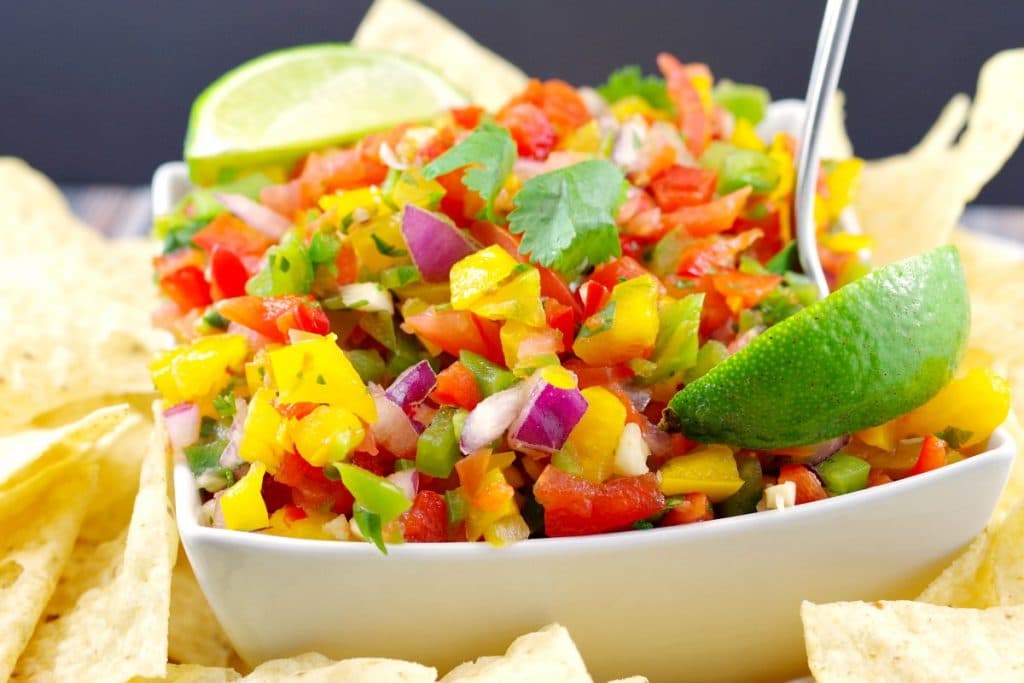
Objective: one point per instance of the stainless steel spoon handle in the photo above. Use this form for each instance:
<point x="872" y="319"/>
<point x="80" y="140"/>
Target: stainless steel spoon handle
<point x="828" y="63"/>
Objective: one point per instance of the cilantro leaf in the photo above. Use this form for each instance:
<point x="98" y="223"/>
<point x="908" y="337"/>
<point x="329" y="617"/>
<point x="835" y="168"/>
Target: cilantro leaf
<point x="630" y="80"/>
<point x="567" y="217"/>
<point x="490" y="152"/>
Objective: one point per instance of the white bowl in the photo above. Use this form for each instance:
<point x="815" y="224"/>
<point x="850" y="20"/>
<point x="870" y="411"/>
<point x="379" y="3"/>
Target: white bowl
<point x="716" y="601"/>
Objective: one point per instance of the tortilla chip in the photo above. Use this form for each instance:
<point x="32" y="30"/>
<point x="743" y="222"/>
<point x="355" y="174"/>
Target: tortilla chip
<point x="34" y="554"/>
<point x="195" y="635"/>
<point x="107" y="620"/>
<point x="911" y="203"/>
<point x="192" y="673"/>
<point x="546" y="655"/>
<point x="85" y="329"/>
<point x="314" y="668"/>
<point x="631" y="679"/>
<point x="911" y="641"/>
<point x="411" y="29"/>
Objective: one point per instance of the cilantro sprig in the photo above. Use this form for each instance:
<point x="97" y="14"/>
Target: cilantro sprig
<point x="490" y="152"/>
<point x="567" y="216"/>
<point x="630" y="80"/>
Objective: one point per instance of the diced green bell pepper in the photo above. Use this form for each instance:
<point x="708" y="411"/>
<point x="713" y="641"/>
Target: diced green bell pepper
<point x="490" y="378"/>
<point x="367" y="363"/>
<point x="738" y="167"/>
<point x="437" y="450"/>
<point x="675" y="349"/>
<point x="375" y="493"/>
<point x="370" y="526"/>
<point x="711" y="354"/>
<point x="202" y="457"/>
<point x="745" y="500"/>
<point x="843" y="473"/>
<point x="324" y="248"/>
<point x="741" y="100"/>
<point x="399" y="276"/>
<point x="289" y="270"/>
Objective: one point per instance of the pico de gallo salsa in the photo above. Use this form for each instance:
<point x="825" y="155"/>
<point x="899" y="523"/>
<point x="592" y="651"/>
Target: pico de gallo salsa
<point x="468" y="330"/>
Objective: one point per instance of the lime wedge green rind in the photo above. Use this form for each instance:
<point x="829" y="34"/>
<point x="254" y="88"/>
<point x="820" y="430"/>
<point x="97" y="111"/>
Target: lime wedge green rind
<point x="273" y="109"/>
<point x="870" y="352"/>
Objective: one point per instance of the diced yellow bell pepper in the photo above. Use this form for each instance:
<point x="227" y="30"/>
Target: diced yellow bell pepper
<point x="257" y="372"/>
<point x="328" y="434"/>
<point x="507" y="530"/>
<point x="317" y="371"/>
<point x="493" y="500"/>
<point x="587" y="138"/>
<point x="479" y="273"/>
<point x="633" y="327"/>
<point x="707" y="469"/>
<point x="780" y="196"/>
<point x="841" y="182"/>
<point x="200" y="370"/>
<point x="242" y="504"/>
<point x="847" y="243"/>
<point x="261" y="433"/>
<point x="311" y="526"/>
<point x="517" y="299"/>
<point x="974" y="405"/>
<point x="345" y="202"/>
<point x="634" y="105"/>
<point x="745" y="135"/>
<point x="527" y="348"/>
<point x="379" y="243"/>
<point x="412" y="188"/>
<point x="593" y="440"/>
<point x="883" y="436"/>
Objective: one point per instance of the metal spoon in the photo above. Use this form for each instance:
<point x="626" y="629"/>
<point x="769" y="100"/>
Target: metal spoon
<point x="828" y="63"/>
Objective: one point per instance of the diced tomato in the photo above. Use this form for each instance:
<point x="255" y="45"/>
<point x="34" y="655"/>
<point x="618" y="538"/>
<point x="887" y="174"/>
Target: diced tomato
<point x="553" y="285"/>
<point x="530" y="128"/>
<point x="599" y="376"/>
<point x="764" y="216"/>
<point x="228" y="274"/>
<point x="180" y="277"/>
<point x="311" y="489"/>
<point x="298" y="410"/>
<point x="877" y="477"/>
<point x="713" y="253"/>
<point x="440" y="143"/>
<point x="381" y="463"/>
<point x="467" y="117"/>
<point x="678" y="186"/>
<point x="489" y="234"/>
<point x="490" y="332"/>
<point x="694" y="507"/>
<point x="347" y="263"/>
<point x="454" y="331"/>
<point x="933" y="455"/>
<point x="744" y="290"/>
<point x="456" y="386"/>
<point x="707" y="219"/>
<point x="617" y="271"/>
<point x="427" y="519"/>
<point x="574" y="506"/>
<point x="633" y="247"/>
<point x="559" y="101"/>
<point x="459" y="203"/>
<point x="293" y="513"/>
<point x="285" y="199"/>
<point x="693" y="120"/>
<point x="232" y="233"/>
<point x="273" y="316"/>
<point x="561" y="318"/>
<point x="594" y="296"/>
<point x="808" y="487"/>
<point x="369" y="147"/>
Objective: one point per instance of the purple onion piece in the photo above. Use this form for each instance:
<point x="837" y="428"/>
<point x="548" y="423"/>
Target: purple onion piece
<point x="413" y="385"/>
<point x="182" y="423"/>
<point x="407" y="480"/>
<point x="821" y="452"/>
<point x="547" y="417"/>
<point x="393" y="428"/>
<point x="434" y="244"/>
<point x="491" y="417"/>
<point x="255" y="215"/>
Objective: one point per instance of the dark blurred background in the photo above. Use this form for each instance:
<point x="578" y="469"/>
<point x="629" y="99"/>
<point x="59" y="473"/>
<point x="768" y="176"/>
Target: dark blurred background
<point x="99" y="92"/>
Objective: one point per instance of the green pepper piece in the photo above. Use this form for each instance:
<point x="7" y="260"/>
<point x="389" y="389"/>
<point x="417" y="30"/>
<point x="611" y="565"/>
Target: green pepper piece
<point x="399" y="276"/>
<point x="843" y="473"/>
<point x="490" y="378"/>
<point x="367" y="363"/>
<point x="711" y="354"/>
<point x="437" y="450"/>
<point x="289" y="270"/>
<point x="324" y="248"/>
<point x="741" y="100"/>
<point x="370" y="526"/>
<point x="784" y="260"/>
<point x="455" y="503"/>
<point x="202" y="457"/>
<point x="404" y="464"/>
<point x="375" y="493"/>
<point x="745" y="500"/>
<point x="675" y="349"/>
<point x="738" y="167"/>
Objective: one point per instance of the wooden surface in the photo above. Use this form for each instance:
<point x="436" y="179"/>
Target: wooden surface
<point x="119" y="211"/>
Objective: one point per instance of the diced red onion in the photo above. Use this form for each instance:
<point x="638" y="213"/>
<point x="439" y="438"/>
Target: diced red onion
<point x="826" y="449"/>
<point x="393" y="429"/>
<point x="182" y="422"/>
<point x="640" y="398"/>
<point x="413" y="385"/>
<point x="255" y="215"/>
<point x="229" y="456"/>
<point x="628" y="143"/>
<point x="408" y="481"/>
<point x="491" y="417"/>
<point x="547" y="417"/>
<point x="434" y="244"/>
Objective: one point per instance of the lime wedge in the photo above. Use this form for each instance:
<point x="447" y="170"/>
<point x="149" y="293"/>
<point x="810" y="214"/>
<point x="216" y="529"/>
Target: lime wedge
<point x="872" y="351"/>
<point x="275" y="108"/>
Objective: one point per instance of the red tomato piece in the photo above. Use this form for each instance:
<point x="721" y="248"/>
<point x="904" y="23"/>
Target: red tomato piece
<point x="693" y="120"/>
<point x="530" y="128"/>
<point x="311" y="489"/>
<point x="877" y="477"/>
<point x="453" y="331"/>
<point x="228" y="274"/>
<point x="600" y="376"/>
<point x="808" y="487"/>
<point x="559" y="101"/>
<point x="180" y="277"/>
<point x="594" y="296"/>
<point x="273" y="316"/>
<point x="347" y="263"/>
<point x="707" y="219"/>
<point x="467" y="117"/>
<point x="574" y="506"/>
<point x="427" y="519"/>
<point x="554" y="286"/>
<point x="562" y="319"/>
<point x="714" y="253"/>
<point x="232" y="233"/>
<point x="694" y="507"/>
<point x="459" y="203"/>
<point x="678" y="186"/>
<point x="933" y="455"/>
<point x="617" y="271"/>
<point x="437" y="145"/>
<point x="456" y="386"/>
<point x="744" y="290"/>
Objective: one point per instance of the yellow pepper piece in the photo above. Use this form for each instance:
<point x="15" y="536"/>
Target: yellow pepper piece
<point x="328" y="434"/>
<point x="492" y="501"/>
<point x="779" y="152"/>
<point x="317" y="371"/>
<point x="707" y="469"/>
<point x="311" y="526"/>
<point x="974" y="404"/>
<point x="517" y="299"/>
<point x="479" y="273"/>
<point x="883" y="436"/>
<point x="847" y="243"/>
<point x="745" y="135"/>
<point x="412" y="188"/>
<point x="242" y="504"/>
<point x="527" y="348"/>
<point x="261" y="432"/>
<point x="587" y="138"/>
<point x="841" y="182"/>
<point x="200" y="370"/>
<point x="593" y="440"/>
<point x="346" y="202"/>
<point x="633" y="328"/>
<point x="379" y="243"/>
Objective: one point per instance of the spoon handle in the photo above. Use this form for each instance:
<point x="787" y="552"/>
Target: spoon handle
<point x="828" y="63"/>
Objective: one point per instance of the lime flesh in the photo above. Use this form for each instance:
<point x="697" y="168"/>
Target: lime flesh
<point x="275" y="108"/>
<point x="869" y="352"/>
